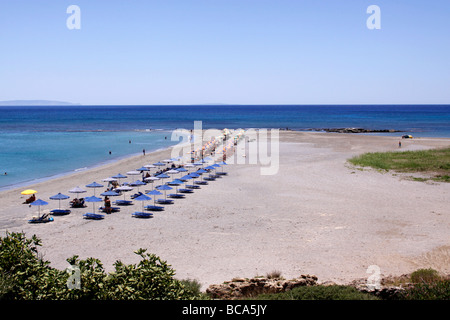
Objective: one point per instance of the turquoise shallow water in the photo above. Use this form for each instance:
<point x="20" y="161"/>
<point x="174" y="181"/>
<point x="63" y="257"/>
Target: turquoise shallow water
<point x="40" y="142"/>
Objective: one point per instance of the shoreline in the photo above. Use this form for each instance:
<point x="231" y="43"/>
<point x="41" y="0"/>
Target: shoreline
<point x="317" y="215"/>
<point x="25" y="184"/>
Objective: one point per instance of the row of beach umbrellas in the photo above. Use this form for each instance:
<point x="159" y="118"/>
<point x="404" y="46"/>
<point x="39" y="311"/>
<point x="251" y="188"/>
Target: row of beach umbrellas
<point x="143" y="197"/>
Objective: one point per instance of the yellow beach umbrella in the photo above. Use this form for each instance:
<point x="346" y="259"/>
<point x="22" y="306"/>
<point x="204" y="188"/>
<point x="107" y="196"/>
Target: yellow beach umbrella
<point x="28" y="192"/>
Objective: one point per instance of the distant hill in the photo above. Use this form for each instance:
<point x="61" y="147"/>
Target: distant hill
<point x="36" y="103"/>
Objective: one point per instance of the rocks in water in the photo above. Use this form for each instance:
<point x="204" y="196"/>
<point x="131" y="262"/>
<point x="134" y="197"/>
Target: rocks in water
<point x="243" y="287"/>
<point x="355" y="130"/>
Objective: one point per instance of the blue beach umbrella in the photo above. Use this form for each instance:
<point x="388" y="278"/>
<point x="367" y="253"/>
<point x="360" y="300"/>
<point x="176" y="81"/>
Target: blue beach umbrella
<point x="181" y="169"/>
<point x="39" y="203"/>
<point x="194" y="175"/>
<point x="165" y="188"/>
<point x="162" y="176"/>
<point x="201" y="172"/>
<point x="59" y="197"/>
<point x="109" y="193"/>
<point x="93" y="199"/>
<point x="119" y="176"/>
<point x="137" y="184"/>
<point x="94" y="185"/>
<point x="143" y="198"/>
<point x="154" y="193"/>
<point x="158" y="164"/>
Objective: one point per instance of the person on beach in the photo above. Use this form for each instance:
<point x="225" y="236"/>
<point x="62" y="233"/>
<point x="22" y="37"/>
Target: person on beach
<point x="143" y="151"/>
<point x="107" y="205"/>
<point x="399" y="144"/>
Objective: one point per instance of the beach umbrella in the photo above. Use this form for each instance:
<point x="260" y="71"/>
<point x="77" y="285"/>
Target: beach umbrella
<point x="181" y="169"/>
<point x="77" y="190"/>
<point x="133" y="173"/>
<point x="158" y="164"/>
<point x="143" y="198"/>
<point x="151" y="179"/>
<point x="137" y="183"/>
<point x="59" y="197"/>
<point x="93" y="199"/>
<point x="185" y="178"/>
<point x="39" y="203"/>
<point x="109" y="193"/>
<point x="149" y="166"/>
<point x="154" y="193"/>
<point x="110" y="179"/>
<point x="162" y="176"/>
<point x="143" y="169"/>
<point x="28" y="192"/>
<point x="165" y="188"/>
<point x="94" y="185"/>
<point x="167" y="160"/>
<point x="125" y="189"/>
<point x="176" y="183"/>
<point x="119" y="176"/>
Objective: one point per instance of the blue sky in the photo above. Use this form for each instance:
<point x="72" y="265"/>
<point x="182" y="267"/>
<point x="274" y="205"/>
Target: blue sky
<point x="226" y="51"/>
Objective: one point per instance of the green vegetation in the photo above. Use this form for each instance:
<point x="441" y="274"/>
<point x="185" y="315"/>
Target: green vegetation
<point x="435" y="162"/>
<point x="428" y="285"/>
<point x="334" y="292"/>
<point x="24" y="276"/>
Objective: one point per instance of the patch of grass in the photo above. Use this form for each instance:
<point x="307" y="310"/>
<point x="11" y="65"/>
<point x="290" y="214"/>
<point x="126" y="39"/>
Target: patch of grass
<point x="275" y="274"/>
<point x="334" y="292"/>
<point x="434" y="161"/>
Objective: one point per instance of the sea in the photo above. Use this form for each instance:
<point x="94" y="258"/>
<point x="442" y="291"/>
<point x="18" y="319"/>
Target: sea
<point x="42" y="142"/>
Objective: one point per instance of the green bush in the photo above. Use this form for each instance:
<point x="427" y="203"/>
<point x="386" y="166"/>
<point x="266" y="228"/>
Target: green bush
<point x="24" y="276"/>
<point x="334" y="292"/>
<point x="439" y="290"/>
<point x="425" y="276"/>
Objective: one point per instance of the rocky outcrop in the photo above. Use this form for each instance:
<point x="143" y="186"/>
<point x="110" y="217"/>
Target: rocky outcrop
<point x="244" y="287"/>
<point x="355" y="130"/>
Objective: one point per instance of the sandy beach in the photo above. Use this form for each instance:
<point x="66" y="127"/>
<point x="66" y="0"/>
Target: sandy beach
<point x="318" y="215"/>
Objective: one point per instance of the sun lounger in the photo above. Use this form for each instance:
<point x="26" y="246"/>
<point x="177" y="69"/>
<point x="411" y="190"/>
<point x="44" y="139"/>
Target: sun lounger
<point x="209" y="178"/>
<point x="78" y="204"/>
<point x="136" y="195"/>
<point x="222" y="173"/>
<point x="164" y="201"/>
<point x="176" y="196"/>
<point x="123" y="202"/>
<point x="142" y="215"/>
<point x="191" y="186"/>
<point x="201" y="182"/>
<point x="42" y="219"/>
<point x="93" y="216"/>
<point x="154" y="208"/>
<point x="185" y="190"/>
<point x="60" y="212"/>
<point x="113" y="209"/>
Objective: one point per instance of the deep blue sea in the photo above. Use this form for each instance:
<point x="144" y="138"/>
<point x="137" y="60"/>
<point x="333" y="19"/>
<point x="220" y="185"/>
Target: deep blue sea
<point x="37" y="142"/>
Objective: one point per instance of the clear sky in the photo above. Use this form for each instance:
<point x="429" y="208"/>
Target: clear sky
<point x="226" y="51"/>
